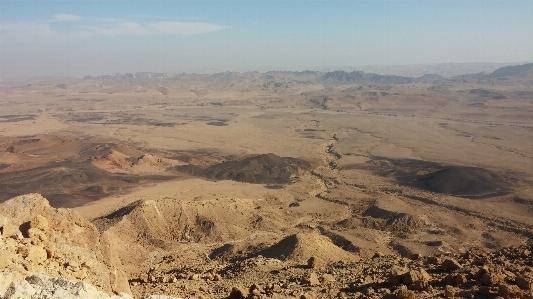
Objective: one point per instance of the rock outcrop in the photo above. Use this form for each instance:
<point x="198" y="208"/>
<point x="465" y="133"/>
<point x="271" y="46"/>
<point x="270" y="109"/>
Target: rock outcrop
<point x="42" y="286"/>
<point x="36" y="238"/>
<point x="55" y="253"/>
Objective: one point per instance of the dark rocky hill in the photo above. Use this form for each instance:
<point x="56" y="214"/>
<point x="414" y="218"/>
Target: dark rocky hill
<point x="464" y="182"/>
<point x="364" y="78"/>
<point x="262" y="169"/>
<point x="513" y="70"/>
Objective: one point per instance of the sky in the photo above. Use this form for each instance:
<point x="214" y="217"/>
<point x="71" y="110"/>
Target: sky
<point x="82" y="37"/>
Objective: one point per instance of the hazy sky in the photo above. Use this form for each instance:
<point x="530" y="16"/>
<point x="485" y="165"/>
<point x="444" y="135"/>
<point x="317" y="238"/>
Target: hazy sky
<point x="106" y="37"/>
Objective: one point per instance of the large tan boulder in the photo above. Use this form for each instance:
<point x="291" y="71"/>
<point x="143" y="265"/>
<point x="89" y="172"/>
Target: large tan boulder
<point x="10" y="230"/>
<point x="450" y="264"/>
<point x="58" y="242"/>
<point x="6" y="258"/>
<point x="37" y="236"/>
<point x="39" y="222"/>
<point x="415" y="275"/>
<point x="32" y="253"/>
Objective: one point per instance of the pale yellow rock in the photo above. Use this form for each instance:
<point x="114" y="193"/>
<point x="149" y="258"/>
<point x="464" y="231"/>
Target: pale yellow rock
<point x="36" y="254"/>
<point x="327" y="278"/>
<point x="74" y="264"/>
<point x="6" y="258"/>
<point x="3" y="220"/>
<point x="68" y="237"/>
<point x="311" y="279"/>
<point x="10" y="230"/>
<point x="50" y="250"/>
<point x="36" y="235"/>
<point x="81" y="274"/>
<point x="33" y="267"/>
<point x="39" y="222"/>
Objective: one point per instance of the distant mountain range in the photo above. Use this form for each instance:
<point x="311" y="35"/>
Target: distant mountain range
<point x="513" y="70"/>
<point x="447" y="70"/>
<point x="361" y="77"/>
<point x="522" y="73"/>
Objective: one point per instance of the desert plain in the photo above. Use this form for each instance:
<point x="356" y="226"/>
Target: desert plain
<point x="240" y="178"/>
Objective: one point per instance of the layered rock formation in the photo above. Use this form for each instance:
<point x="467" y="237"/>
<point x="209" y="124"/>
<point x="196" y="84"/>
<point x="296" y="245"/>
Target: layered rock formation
<point x="37" y="238"/>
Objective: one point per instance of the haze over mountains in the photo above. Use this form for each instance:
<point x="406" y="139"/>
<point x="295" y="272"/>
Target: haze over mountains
<point x="413" y="70"/>
<point x="420" y="72"/>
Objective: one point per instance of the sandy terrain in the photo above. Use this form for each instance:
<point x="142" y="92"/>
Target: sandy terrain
<point x="208" y="170"/>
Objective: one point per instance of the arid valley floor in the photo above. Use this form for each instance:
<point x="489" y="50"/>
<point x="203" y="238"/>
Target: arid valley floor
<point x="191" y="185"/>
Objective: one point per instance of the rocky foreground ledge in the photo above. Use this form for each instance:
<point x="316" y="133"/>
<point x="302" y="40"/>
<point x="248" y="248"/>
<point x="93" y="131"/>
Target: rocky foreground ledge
<point x="55" y="253"/>
<point x="507" y="273"/>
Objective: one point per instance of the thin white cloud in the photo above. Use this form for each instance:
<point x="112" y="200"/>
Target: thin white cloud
<point x="66" y="18"/>
<point x="181" y="28"/>
<point x="42" y="32"/>
<point x="120" y="29"/>
<point x="161" y="28"/>
<point x="26" y="31"/>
